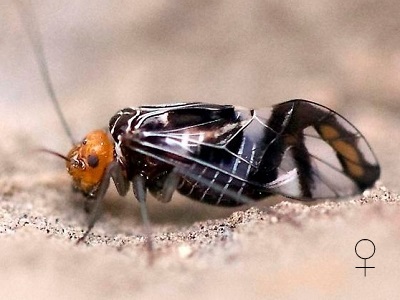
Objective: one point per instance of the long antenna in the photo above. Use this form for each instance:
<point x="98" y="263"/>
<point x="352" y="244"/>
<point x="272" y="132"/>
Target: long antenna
<point x="31" y="26"/>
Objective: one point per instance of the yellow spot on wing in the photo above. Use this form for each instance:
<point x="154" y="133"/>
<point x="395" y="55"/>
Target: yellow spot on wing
<point x="328" y="132"/>
<point x="347" y="150"/>
<point x="351" y="156"/>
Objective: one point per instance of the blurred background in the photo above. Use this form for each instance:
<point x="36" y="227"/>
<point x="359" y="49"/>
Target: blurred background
<point x="106" y="55"/>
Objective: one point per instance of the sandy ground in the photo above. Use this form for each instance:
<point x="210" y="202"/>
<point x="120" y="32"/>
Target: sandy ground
<point x="108" y="55"/>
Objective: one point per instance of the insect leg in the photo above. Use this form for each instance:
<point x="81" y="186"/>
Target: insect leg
<point x="169" y="187"/>
<point x="139" y="189"/>
<point x="120" y="181"/>
<point x="114" y="171"/>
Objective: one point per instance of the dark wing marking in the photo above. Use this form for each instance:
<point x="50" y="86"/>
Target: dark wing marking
<point x="331" y="156"/>
<point x="297" y="148"/>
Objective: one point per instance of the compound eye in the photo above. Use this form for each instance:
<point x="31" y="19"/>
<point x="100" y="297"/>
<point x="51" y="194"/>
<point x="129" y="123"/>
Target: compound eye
<point x="93" y="161"/>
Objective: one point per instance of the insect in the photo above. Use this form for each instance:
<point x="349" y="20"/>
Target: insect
<point x="222" y="154"/>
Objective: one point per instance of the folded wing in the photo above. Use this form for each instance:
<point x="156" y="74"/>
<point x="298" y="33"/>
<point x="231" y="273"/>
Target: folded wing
<point x="298" y="148"/>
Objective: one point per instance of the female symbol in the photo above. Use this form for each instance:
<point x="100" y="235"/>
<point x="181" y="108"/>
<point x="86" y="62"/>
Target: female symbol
<point x="365" y="242"/>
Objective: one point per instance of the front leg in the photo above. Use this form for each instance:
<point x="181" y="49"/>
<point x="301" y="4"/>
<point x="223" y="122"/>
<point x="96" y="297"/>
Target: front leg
<point x="112" y="171"/>
<point x="119" y="177"/>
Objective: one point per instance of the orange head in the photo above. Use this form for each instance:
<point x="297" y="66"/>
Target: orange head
<point x="88" y="161"/>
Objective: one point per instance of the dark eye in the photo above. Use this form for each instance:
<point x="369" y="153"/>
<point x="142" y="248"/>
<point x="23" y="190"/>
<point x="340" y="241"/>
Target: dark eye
<point x="84" y="142"/>
<point x="93" y="161"/>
